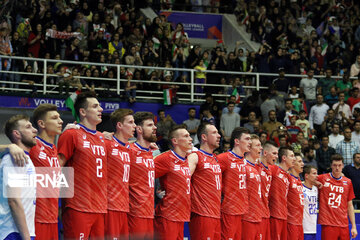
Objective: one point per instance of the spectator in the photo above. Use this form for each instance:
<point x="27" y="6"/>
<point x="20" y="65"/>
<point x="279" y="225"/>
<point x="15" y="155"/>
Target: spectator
<point x="17" y="65"/>
<point x="353" y="99"/>
<point x="335" y="137"/>
<point x="317" y="115"/>
<point x="130" y="89"/>
<point x="296" y="146"/>
<point x="342" y="108"/>
<point x="98" y="45"/>
<point x="207" y="116"/>
<point x="332" y="97"/>
<point x="285" y="115"/>
<point x="329" y="121"/>
<point x="272" y="125"/>
<point x="344" y="85"/>
<point x="309" y="157"/>
<point x="281" y="83"/>
<point x="347" y="147"/>
<point x="250" y="124"/>
<point x="352" y="171"/>
<point x="326" y="83"/>
<point x="293" y="93"/>
<point x="73" y="52"/>
<point x="236" y="108"/>
<point x="267" y="106"/>
<point x="355" y="135"/>
<point x="5" y="49"/>
<point x="308" y="87"/>
<point x="292" y="129"/>
<point x="200" y="76"/>
<point x="323" y="155"/>
<point x="164" y="124"/>
<point x="36" y="41"/>
<point x="211" y="104"/>
<point x="229" y="121"/>
<point x="303" y="124"/>
<point x="192" y="123"/>
<point x="355" y="67"/>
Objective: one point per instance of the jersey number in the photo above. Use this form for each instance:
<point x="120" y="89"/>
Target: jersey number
<point x="151" y="175"/>
<point x="126" y="173"/>
<point x="334" y="201"/>
<point x="312" y="208"/>
<point x="217" y="180"/>
<point x="242" y="181"/>
<point x="99" y="167"/>
<point x="188" y="185"/>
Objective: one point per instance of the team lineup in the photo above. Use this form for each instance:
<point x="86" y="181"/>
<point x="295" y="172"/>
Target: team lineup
<point x="251" y="192"/>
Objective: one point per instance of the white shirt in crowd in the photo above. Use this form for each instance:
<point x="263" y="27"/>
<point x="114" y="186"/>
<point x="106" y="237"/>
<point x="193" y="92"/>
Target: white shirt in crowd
<point x="343" y="108"/>
<point x="334" y="140"/>
<point x="355" y="137"/>
<point x="317" y="114"/>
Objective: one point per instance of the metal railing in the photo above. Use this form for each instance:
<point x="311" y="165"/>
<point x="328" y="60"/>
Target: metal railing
<point x="192" y="96"/>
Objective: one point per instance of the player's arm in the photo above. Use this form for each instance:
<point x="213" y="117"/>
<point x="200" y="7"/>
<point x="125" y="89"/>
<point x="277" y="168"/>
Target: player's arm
<point x="62" y="159"/>
<point x="16" y="152"/>
<point x="18" y="214"/>
<point x="193" y="161"/>
<point x="351" y="214"/>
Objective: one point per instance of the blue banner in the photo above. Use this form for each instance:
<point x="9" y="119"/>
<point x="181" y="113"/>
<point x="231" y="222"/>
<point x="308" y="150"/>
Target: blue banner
<point x="197" y="25"/>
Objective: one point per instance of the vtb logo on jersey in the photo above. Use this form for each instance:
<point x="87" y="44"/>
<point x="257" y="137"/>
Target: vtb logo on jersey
<point x="123" y="155"/>
<point x="97" y="150"/>
<point x="53" y="161"/>
<point x="184" y="170"/>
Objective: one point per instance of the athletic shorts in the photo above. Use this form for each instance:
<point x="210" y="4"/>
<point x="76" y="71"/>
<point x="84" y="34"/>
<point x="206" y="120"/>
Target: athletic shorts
<point x="79" y="225"/>
<point x="231" y="226"/>
<point x="168" y="230"/>
<point x="116" y="225"/>
<point x="207" y="228"/>
<point x="310" y="236"/>
<point x="252" y="230"/>
<point x="265" y="229"/>
<point x="46" y="231"/>
<point x="278" y="228"/>
<point x="15" y="236"/>
<point x="334" y="233"/>
<point x="140" y="228"/>
<point x="295" y="232"/>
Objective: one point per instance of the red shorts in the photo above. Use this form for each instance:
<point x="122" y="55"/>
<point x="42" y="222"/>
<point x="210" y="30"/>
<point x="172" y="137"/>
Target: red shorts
<point x="278" y="228"/>
<point x="334" y="233"/>
<point x="79" y="225"/>
<point x="168" y="230"/>
<point x="295" y="232"/>
<point x="46" y="231"/>
<point x="206" y="228"/>
<point x="265" y="229"/>
<point x="253" y="230"/>
<point x="141" y="228"/>
<point x="116" y="225"/>
<point x="230" y="226"/>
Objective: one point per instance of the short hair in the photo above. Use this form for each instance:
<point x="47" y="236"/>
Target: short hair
<point x="119" y="115"/>
<point x="288" y="100"/>
<point x="160" y="110"/>
<point x="283" y="151"/>
<point x="282" y="136"/>
<point x="140" y="117"/>
<point x="302" y="111"/>
<point x="269" y="144"/>
<point x="236" y="133"/>
<point x="337" y="157"/>
<point x="13" y="124"/>
<point x="192" y="108"/>
<point x="270" y="111"/>
<point x="356" y="121"/>
<point x="173" y="130"/>
<point x="41" y="111"/>
<point x="324" y="136"/>
<point x="307" y="169"/>
<point x="254" y="136"/>
<point x="81" y="101"/>
<point x="202" y="130"/>
<point x="307" y="150"/>
<point x="354" y="155"/>
<point x="297" y="154"/>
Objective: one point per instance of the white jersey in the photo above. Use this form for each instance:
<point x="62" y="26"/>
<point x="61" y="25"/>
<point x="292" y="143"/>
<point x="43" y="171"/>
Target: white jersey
<point x="310" y="209"/>
<point x="28" y="198"/>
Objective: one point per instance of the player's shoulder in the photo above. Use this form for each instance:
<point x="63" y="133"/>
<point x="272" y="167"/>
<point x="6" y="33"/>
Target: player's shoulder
<point x="223" y="156"/>
<point x="164" y="155"/>
<point x="69" y="133"/>
<point x="346" y="180"/>
<point x="6" y="159"/>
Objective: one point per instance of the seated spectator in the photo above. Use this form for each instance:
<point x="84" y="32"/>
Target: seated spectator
<point x="303" y="124"/>
<point x="352" y="171"/>
<point x="250" y="124"/>
<point x="332" y="97"/>
<point x="283" y="141"/>
<point x="285" y="115"/>
<point x="272" y="125"/>
<point x="335" y="137"/>
<point x="263" y="138"/>
<point x="329" y="121"/>
<point x="293" y="93"/>
<point x="86" y="82"/>
<point x="207" y="116"/>
<point x="309" y="157"/>
<point x="30" y="79"/>
<point x="292" y="129"/>
<point x="323" y="155"/>
<point x="236" y="108"/>
<point x="296" y="146"/>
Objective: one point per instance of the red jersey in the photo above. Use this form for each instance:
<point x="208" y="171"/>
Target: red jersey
<point x="278" y="192"/>
<point x="44" y="154"/>
<point x="333" y="200"/>
<point x="233" y="184"/>
<point x="253" y="180"/>
<point x="266" y="178"/>
<point x="295" y="201"/>
<point x="118" y="171"/>
<point x="174" y="173"/>
<point x="85" y="151"/>
<point x="141" y="182"/>
<point x="206" y="186"/>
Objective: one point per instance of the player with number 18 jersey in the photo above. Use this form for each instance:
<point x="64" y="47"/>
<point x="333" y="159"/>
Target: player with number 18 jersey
<point x="295" y="208"/>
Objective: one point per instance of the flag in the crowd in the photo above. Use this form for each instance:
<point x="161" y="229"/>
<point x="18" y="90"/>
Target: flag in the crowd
<point x="69" y="102"/>
<point x="237" y="95"/>
<point x="144" y="29"/>
<point x="168" y="96"/>
<point x="320" y="29"/>
<point x="174" y="50"/>
<point x="245" y="18"/>
<point x="156" y="43"/>
<point x="324" y="48"/>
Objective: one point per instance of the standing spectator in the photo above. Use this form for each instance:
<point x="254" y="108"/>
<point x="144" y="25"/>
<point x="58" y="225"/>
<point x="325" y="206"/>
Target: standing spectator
<point x="236" y="108"/>
<point x="229" y="121"/>
<point x="326" y="83"/>
<point x="250" y="124"/>
<point x="285" y="115"/>
<point x="17" y="64"/>
<point x="344" y="85"/>
<point x="73" y="52"/>
<point x="335" y="137"/>
<point x="309" y="156"/>
<point x="317" y="115"/>
<point x="296" y="146"/>
<point x="332" y="97"/>
<point x="98" y="46"/>
<point x="303" y="124"/>
<point x="352" y="171"/>
<point x="192" y="123"/>
<point x="347" y="147"/>
<point x="272" y="125"/>
<point x="36" y="41"/>
<point x="329" y="121"/>
<point x="355" y="67"/>
<point x="130" y="88"/>
<point x="267" y="106"/>
<point x="342" y="108"/>
<point x="200" y="76"/>
<point x="355" y="135"/>
<point x="292" y="129"/>
<point x="323" y="155"/>
<point x="353" y="98"/>
<point x="308" y="87"/>
<point x="281" y="83"/>
<point x="164" y="124"/>
<point x="5" y="49"/>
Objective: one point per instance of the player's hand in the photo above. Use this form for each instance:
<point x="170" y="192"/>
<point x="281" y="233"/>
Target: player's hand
<point x="71" y="126"/>
<point x="18" y="155"/>
<point x="160" y="194"/>
<point x="354" y="232"/>
<point x="318" y="184"/>
<point x="108" y="135"/>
